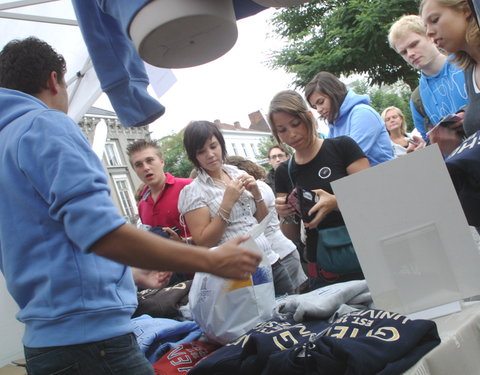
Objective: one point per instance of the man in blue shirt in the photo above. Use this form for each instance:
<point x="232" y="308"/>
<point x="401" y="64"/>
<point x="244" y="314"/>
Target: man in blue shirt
<point x="63" y="244"/>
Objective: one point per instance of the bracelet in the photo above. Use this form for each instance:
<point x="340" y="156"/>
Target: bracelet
<point x="223" y="217"/>
<point x="289" y="220"/>
<point x="259" y="200"/>
<point x="224" y="210"/>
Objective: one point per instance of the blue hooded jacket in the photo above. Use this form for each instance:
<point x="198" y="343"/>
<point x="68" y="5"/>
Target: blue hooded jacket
<point x="358" y="120"/>
<point x="54" y="205"/>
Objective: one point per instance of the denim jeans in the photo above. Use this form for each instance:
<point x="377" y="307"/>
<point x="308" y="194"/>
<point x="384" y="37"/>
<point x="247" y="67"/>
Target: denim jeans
<point x="119" y="355"/>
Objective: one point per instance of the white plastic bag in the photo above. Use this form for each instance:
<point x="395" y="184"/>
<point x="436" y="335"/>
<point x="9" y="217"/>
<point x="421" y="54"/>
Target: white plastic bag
<point x="226" y="309"/>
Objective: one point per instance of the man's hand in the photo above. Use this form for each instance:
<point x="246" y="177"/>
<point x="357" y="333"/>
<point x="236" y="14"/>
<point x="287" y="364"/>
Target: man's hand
<point x="150" y="279"/>
<point x="233" y="261"/>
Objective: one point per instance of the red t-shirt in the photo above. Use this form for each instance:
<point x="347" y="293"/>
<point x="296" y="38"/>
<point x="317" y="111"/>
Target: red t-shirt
<point x="164" y="211"/>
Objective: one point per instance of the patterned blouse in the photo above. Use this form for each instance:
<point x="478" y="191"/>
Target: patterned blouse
<point x="203" y="192"/>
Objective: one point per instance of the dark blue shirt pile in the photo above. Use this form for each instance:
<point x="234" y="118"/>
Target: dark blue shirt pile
<point x="361" y="342"/>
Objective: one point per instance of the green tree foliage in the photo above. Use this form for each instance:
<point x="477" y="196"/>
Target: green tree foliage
<point x="342" y="37"/>
<point x="176" y="160"/>
<point x="381" y="97"/>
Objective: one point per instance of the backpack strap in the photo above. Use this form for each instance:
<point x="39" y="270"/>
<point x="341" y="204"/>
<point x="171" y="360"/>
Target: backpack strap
<point x="418" y="104"/>
<point x="290" y="171"/>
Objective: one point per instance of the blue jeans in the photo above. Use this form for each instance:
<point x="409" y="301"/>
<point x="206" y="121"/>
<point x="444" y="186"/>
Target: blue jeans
<point x="119" y="355"/>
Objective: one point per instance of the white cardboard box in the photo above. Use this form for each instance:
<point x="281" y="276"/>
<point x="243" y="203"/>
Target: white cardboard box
<point x="410" y="234"/>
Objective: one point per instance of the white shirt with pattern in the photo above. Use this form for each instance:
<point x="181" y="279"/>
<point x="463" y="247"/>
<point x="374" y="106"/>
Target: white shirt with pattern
<point x="203" y="192"/>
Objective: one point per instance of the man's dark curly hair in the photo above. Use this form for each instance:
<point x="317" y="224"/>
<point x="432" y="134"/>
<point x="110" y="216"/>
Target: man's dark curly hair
<point x="25" y="65"/>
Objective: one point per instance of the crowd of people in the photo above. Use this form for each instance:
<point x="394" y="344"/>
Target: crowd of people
<point x="70" y="261"/>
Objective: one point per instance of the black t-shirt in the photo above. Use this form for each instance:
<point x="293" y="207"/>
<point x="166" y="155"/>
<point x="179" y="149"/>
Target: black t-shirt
<point x="330" y="164"/>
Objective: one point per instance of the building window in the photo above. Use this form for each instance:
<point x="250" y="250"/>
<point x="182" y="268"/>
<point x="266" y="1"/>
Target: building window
<point x="125" y="196"/>
<point x="245" y="150"/>
<point x="235" y="151"/>
<point x="112" y="155"/>
<point x="254" y="149"/>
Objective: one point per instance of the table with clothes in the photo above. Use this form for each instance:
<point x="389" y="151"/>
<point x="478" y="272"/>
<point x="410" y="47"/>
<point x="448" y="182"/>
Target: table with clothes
<point x="331" y="330"/>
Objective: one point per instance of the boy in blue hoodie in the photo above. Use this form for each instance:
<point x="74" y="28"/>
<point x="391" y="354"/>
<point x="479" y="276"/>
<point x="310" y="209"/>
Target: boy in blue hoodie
<point x="441" y="84"/>
<point x="62" y="242"/>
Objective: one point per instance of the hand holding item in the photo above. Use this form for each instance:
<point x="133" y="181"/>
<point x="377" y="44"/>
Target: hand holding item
<point x="448" y="133"/>
<point x="233" y="191"/>
<point x="284" y="208"/>
<point x="249" y="183"/>
<point x="326" y="204"/>
<point x="233" y="261"/>
<point x="172" y="234"/>
<point x="415" y="143"/>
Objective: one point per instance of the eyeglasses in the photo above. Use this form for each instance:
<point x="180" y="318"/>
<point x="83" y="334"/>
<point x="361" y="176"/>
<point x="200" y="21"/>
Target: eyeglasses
<point x="279" y="156"/>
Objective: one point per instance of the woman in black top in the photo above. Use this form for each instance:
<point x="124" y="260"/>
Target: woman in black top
<point x="316" y="163"/>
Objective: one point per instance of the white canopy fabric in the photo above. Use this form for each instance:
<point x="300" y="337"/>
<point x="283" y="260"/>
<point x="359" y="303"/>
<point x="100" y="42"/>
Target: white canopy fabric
<point x="54" y="21"/>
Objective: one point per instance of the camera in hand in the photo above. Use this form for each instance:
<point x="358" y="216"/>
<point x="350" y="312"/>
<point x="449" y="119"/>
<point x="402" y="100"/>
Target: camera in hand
<point x="308" y="199"/>
<point x="160" y="231"/>
<point x="294" y="201"/>
<point x="302" y="200"/>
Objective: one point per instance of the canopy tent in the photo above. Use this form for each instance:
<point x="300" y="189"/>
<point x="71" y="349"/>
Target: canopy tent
<point x="20" y="19"/>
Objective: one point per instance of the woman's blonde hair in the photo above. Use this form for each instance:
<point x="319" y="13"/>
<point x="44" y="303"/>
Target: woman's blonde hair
<point x="292" y="103"/>
<point x="403" y="126"/>
<point x="472" y="35"/>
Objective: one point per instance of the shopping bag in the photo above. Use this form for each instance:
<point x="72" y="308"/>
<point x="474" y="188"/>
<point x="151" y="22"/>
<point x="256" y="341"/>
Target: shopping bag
<point x="226" y="309"/>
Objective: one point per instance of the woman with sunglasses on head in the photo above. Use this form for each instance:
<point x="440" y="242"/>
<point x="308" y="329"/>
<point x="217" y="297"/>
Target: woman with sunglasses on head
<point x="316" y="163"/>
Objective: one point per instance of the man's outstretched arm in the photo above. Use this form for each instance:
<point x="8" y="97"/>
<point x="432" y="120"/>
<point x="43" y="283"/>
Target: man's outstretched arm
<point x="134" y="247"/>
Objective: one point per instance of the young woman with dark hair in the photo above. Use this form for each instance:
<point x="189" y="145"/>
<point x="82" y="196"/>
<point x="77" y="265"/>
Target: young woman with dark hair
<point x="223" y="202"/>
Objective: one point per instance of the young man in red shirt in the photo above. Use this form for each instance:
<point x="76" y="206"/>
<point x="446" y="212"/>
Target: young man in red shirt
<point x="158" y="205"/>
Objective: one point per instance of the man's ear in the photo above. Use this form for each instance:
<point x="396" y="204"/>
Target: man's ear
<point x="52" y="83"/>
